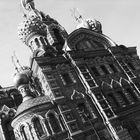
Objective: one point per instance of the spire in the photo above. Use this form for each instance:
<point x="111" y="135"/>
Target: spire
<point x="16" y="62"/>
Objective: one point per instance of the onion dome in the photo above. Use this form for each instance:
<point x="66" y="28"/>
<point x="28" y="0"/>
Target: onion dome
<point x="35" y="102"/>
<point x="29" y="27"/>
<point x="22" y="77"/>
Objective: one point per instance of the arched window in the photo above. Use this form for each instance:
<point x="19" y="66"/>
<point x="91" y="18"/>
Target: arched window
<point x="37" y="42"/>
<point x="113" y="68"/>
<point x="112" y="101"/>
<point x="120" y="98"/>
<point x="88" y="45"/>
<point x="130" y="95"/>
<point x="104" y="69"/>
<point x="38" y="127"/>
<point x="42" y="41"/>
<point x="24" y="133"/>
<point x="131" y="66"/>
<point x="83" y="112"/>
<point x="54" y="122"/>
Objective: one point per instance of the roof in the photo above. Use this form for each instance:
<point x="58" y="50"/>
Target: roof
<point x="32" y="103"/>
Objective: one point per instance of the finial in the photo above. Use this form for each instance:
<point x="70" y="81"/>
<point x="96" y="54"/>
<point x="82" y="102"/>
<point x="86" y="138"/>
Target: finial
<point x="28" y="4"/>
<point x="16" y="62"/>
<point x="13" y="61"/>
<point x="29" y="7"/>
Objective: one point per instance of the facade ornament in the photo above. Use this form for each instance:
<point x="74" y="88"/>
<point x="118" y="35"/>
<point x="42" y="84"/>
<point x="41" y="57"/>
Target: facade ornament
<point x="24" y="81"/>
<point x="90" y="24"/>
<point x="77" y="95"/>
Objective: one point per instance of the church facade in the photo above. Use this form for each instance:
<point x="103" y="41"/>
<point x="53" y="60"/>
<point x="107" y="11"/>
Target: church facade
<point x="79" y="86"/>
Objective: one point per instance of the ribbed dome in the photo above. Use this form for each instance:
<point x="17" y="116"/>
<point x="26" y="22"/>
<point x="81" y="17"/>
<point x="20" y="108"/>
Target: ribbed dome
<point x="22" y="77"/>
<point x="30" y="26"/>
<point x="32" y="103"/>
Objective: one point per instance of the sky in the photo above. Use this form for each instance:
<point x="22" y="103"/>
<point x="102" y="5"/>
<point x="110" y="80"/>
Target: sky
<point x="120" y="21"/>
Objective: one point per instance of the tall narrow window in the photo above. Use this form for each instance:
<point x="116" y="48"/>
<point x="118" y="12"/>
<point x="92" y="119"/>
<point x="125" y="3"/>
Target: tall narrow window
<point x="131" y="66"/>
<point x="67" y="78"/>
<point x="114" y="69"/>
<point x="37" y="42"/>
<point x="38" y="127"/>
<point x="23" y="132"/>
<point x="105" y="70"/>
<point x="112" y="101"/>
<point x="54" y="123"/>
<point x="120" y="98"/>
<point x="83" y="112"/>
<point x="95" y="71"/>
<point x="130" y="95"/>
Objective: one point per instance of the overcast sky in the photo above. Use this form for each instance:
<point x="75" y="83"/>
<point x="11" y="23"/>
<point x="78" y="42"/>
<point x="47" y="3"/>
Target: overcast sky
<point x="120" y="21"/>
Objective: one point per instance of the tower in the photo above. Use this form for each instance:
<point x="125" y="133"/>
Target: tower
<point x="84" y="93"/>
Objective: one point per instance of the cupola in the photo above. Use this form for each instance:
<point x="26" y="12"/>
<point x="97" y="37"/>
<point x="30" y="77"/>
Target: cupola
<point x="22" y="81"/>
<point x="40" y="32"/>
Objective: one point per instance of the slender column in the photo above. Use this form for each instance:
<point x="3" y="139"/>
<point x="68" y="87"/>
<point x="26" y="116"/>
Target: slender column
<point x="1" y="131"/>
<point x="17" y="135"/>
<point x="57" y="116"/>
<point x="50" y="126"/>
<point x="29" y="131"/>
<point x="34" y="134"/>
<point x="44" y="126"/>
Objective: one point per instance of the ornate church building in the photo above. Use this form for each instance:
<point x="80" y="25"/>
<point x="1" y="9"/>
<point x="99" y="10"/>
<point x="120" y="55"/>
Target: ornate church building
<point x="79" y="86"/>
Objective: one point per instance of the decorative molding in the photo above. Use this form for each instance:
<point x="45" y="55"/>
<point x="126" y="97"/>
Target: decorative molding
<point x="114" y="83"/>
<point x="77" y="95"/>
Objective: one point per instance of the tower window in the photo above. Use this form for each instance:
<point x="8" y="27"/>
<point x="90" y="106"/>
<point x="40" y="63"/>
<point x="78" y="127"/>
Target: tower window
<point x="67" y="78"/>
<point x="130" y="95"/>
<point x="95" y="71"/>
<point x="38" y="127"/>
<point x="23" y="132"/>
<point x="120" y="98"/>
<point x="105" y="70"/>
<point x="131" y="66"/>
<point x="54" y="123"/>
<point x="112" y="101"/>
<point x="83" y="112"/>
<point x="114" y="69"/>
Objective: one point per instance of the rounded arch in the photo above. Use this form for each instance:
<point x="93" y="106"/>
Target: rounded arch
<point x="57" y="34"/>
<point x="38" y="125"/>
<point x="24" y="132"/>
<point x="129" y="91"/>
<point x="80" y="34"/>
<point x="54" y="122"/>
